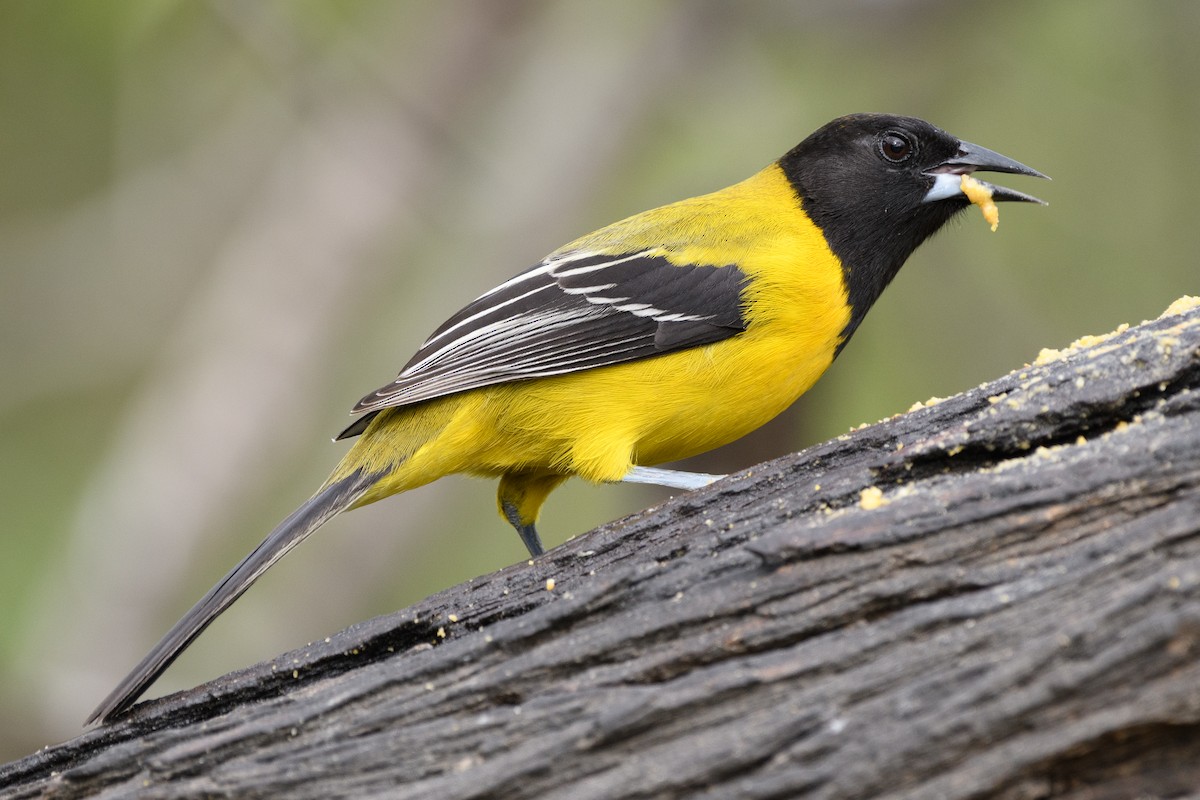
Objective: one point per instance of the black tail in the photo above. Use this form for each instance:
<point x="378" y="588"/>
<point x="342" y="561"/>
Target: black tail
<point x="318" y="510"/>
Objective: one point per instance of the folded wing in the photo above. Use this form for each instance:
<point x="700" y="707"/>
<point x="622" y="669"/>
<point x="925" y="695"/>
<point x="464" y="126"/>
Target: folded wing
<point x="573" y="311"/>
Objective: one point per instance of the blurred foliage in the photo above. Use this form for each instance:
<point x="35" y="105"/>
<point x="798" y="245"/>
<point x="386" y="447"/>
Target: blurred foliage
<point x="223" y="222"/>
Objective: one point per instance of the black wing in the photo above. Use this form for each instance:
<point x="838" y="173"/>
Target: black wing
<point x="571" y="312"/>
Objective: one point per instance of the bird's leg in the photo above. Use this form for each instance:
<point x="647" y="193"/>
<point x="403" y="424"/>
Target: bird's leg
<point x="527" y="532"/>
<point x="520" y="497"/>
<point x="673" y="478"/>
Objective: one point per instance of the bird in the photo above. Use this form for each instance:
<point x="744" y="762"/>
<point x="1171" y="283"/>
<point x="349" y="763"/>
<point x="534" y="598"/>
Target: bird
<point x="653" y="339"/>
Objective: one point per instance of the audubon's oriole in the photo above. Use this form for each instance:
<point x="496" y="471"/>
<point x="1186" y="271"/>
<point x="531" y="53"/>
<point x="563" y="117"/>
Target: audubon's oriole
<point x="655" y="338"/>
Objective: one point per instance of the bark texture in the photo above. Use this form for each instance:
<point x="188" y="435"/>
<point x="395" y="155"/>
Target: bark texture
<point x="1010" y="610"/>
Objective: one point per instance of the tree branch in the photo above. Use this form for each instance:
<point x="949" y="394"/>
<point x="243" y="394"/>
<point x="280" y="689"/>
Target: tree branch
<point x="1015" y="615"/>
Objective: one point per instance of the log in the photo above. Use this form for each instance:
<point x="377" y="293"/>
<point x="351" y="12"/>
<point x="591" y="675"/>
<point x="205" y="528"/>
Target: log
<point x="995" y="596"/>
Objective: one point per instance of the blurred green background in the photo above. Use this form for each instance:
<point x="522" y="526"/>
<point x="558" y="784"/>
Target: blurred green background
<point x="223" y="222"/>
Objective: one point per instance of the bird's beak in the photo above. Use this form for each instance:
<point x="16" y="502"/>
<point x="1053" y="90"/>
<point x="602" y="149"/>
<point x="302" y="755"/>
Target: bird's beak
<point x="947" y="180"/>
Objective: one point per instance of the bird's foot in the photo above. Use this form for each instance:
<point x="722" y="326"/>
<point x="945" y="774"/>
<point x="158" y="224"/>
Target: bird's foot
<point x="673" y="478"/>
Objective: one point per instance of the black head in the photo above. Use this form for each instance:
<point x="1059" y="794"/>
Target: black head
<point x="879" y="185"/>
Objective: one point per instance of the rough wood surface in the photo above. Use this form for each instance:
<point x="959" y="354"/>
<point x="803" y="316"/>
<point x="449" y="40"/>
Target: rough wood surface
<point x="1020" y="618"/>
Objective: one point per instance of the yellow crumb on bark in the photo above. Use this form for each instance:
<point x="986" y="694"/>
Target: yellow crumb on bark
<point x="871" y="498"/>
<point x="1185" y="303"/>
<point x="933" y="401"/>
<point x="981" y="195"/>
<point x="1047" y="354"/>
<point x="1088" y="340"/>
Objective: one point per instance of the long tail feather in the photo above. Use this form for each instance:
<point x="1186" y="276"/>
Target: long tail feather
<point x="318" y="510"/>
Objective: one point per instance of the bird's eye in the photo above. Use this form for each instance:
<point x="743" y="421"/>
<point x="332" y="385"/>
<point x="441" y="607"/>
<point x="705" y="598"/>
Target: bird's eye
<point x="896" y="147"/>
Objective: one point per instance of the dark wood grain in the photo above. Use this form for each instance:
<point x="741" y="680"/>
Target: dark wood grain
<point x="1019" y="619"/>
